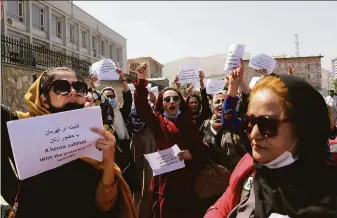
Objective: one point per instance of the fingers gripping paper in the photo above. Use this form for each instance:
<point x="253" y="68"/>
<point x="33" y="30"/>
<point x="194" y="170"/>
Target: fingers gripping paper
<point x="165" y="161"/>
<point x="45" y="142"/>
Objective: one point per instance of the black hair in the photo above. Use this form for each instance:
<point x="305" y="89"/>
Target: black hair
<point x="48" y="77"/>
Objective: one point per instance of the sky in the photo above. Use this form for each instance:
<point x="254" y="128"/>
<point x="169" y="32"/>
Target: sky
<point x="167" y="31"/>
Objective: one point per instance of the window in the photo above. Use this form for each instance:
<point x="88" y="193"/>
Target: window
<point x="102" y="48"/>
<point x="110" y="51"/>
<point x="56" y="26"/>
<point x="72" y="33"/>
<point x="37" y="17"/>
<point x="84" y="38"/>
<point x="15" y="9"/>
<point x="94" y="46"/>
<point x="119" y="56"/>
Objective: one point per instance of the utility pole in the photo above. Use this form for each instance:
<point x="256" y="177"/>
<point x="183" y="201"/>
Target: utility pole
<point x="297" y="43"/>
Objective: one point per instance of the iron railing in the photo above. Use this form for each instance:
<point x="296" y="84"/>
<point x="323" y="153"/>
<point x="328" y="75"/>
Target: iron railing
<point x="25" y="54"/>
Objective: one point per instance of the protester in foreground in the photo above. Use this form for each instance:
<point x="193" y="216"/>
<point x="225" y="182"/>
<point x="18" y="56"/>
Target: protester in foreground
<point x="287" y="170"/>
<point x="81" y="188"/>
<point x="173" y="193"/>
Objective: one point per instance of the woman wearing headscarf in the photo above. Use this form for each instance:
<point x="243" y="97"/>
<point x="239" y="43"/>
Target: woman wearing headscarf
<point x="173" y="193"/>
<point x="286" y="173"/>
<point x="199" y="108"/>
<point x="81" y="188"/>
<point x="142" y="143"/>
<point x="114" y="120"/>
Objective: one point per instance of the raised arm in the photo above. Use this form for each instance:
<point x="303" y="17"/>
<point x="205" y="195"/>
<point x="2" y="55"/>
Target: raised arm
<point x="230" y="120"/>
<point x="144" y="110"/>
<point x="206" y="110"/>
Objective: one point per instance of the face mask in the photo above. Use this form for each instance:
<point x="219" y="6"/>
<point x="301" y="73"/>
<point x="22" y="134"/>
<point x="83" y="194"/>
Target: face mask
<point x="112" y="101"/>
<point x="67" y="107"/>
<point x="172" y="116"/>
<point x="284" y="159"/>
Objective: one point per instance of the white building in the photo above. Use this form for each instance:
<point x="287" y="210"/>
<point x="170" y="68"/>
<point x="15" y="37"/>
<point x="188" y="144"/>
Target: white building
<point x="64" y="27"/>
<point x="334" y="68"/>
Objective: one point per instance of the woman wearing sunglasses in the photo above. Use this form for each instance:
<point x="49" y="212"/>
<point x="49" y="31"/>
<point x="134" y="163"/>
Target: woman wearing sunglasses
<point x="81" y="188"/>
<point x="199" y="108"/>
<point x="286" y="173"/>
<point x="173" y="193"/>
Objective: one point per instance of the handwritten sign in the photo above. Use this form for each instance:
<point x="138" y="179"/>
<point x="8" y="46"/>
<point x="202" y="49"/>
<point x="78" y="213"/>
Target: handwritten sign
<point x="262" y="61"/>
<point x="188" y="74"/>
<point x="253" y="82"/>
<point x="214" y="85"/>
<point x="105" y="70"/>
<point x="165" y="161"/>
<point x="235" y="53"/>
<point x="155" y="91"/>
<point x="45" y="142"/>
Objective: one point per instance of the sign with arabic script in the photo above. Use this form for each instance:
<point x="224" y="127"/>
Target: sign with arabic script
<point x="45" y="142"/>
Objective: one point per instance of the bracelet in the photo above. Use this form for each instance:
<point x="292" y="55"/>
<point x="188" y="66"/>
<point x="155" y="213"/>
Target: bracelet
<point x="123" y="80"/>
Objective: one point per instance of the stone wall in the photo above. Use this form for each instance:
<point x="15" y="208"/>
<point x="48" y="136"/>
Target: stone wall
<point x="15" y="82"/>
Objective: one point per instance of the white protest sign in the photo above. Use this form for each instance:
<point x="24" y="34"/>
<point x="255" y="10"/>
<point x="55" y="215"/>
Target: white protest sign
<point x="214" y="85"/>
<point x="188" y="74"/>
<point x="235" y="53"/>
<point x="254" y="80"/>
<point x="105" y="70"/>
<point x="133" y="88"/>
<point x="155" y="91"/>
<point x="45" y="142"/>
<point x="165" y="161"/>
<point x="197" y="86"/>
<point x="262" y="61"/>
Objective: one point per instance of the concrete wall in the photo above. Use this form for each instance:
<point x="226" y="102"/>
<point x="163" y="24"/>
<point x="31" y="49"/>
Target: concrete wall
<point x="15" y="82"/>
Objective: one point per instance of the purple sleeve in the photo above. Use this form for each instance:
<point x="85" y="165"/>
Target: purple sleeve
<point x="229" y="117"/>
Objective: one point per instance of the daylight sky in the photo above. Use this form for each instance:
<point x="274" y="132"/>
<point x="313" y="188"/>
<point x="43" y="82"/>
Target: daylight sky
<point x="168" y="31"/>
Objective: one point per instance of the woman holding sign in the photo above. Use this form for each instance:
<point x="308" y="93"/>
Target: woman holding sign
<point x="173" y="193"/>
<point x="287" y="171"/>
<point x="81" y="188"/>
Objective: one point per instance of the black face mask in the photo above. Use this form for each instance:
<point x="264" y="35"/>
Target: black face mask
<point x="67" y="107"/>
<point x="331" y="94"/>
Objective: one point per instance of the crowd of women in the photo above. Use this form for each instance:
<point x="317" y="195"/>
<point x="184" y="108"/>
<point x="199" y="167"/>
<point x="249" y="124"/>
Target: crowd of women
<point x="260" y="152"/>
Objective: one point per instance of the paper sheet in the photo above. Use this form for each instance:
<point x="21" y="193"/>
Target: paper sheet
<point x="214" y="85"/>
<point x="188" y="74"/>
<point x="155" y="91"/>
<point x="262" y="61"/>
<point x="105" y="70"/>
<point x="165" y="161"/>
<point x="235" y="53"/>
<point x="45" y="142"/>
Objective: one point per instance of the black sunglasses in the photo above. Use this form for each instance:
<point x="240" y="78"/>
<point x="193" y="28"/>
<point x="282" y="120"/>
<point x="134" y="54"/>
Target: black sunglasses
<point x="63" y="87"/>
<point x="267" y="126"/>
<point x="175" y="98"/>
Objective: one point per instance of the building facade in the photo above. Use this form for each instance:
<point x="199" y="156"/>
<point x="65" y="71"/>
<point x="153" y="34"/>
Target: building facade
<point x="132" y="66"/>
<point x="307" y="68"/>
<point x="155" y="68"/>
<point x="62" y="26"/>
<point x="334" y="67"/>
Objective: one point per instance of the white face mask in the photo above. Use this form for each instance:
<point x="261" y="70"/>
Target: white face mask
<point x="284" y="159"/>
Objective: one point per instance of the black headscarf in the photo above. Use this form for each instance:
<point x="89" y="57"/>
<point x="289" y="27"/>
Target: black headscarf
<point x="308" y="187"/>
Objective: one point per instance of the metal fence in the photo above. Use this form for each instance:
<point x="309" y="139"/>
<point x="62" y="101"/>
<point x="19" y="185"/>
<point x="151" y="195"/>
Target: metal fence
<point x="24" y="54"/>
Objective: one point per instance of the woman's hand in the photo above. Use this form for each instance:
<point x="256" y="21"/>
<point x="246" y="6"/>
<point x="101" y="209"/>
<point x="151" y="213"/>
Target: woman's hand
<point x="291" y="70"/>
<point x="141" y="71"/>
<point x="107" y="144"/>
<point x="202" y="76"/>
<point x="153" y="97"/>
<point x="176" y="81"/>
<point x="92" y="80"/>
<point x="121" y="74"/>
<point x="185" y="155"/>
